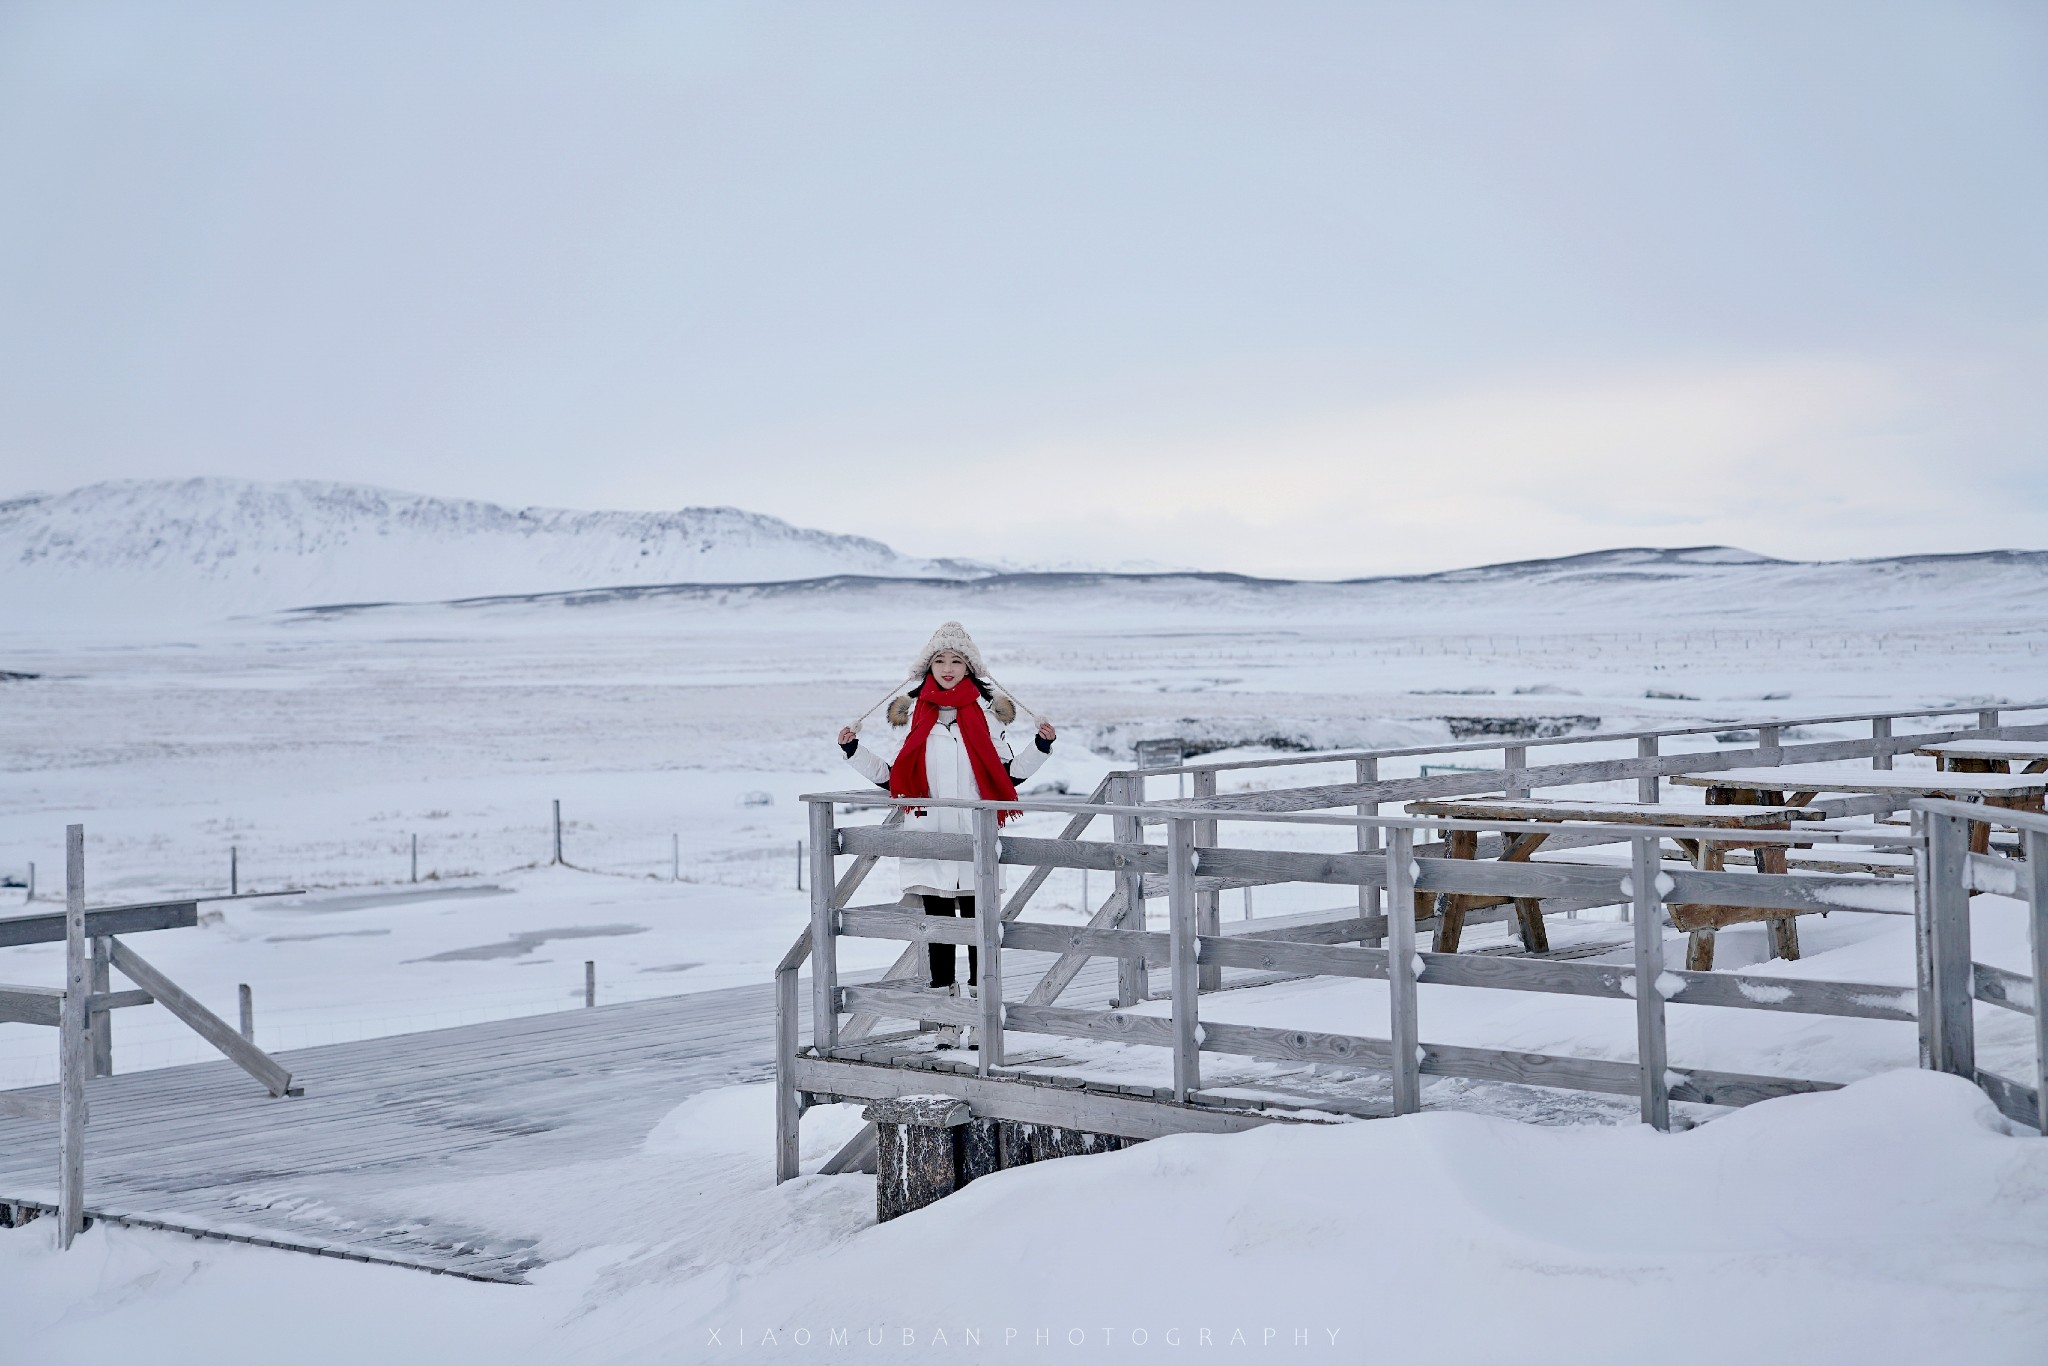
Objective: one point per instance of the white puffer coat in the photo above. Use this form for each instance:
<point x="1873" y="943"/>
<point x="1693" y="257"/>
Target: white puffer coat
<point x="951" y="774"/>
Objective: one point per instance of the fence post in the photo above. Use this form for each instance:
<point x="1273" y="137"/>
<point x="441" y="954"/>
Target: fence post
<point x="1767" y="739"/>
<point x="1987" y="719"/>
<point x="234" y="871"/>
<point x="788" y="1112"/>
<point x="1649" y="790"/>
<point x="1209" y="904"/>
<point x="415" y="858"/>
<point x="248" y="1003"/>
<point x="102" y="1027"/>
<point x="1133" y="981"/>
<point x="1948" y="939"/>
<point x="1368" y="842"/>
<point x="988" y="925"/>
<point x="71" y="1047"/>
<point x="675" y="858"/>
<point x="799" y="865"/>
<point x="1181" y="915"/>
<point x="2036" y="843"/>
<point x="589" y="982"/>
<point x="1647" y="884"/>
<point x="1403" y="1032"/>
<point x="558" y="831"/>
<point x="824" y="932"/>
<point x="31" y="883"/>
<point x="1881" y="731"/>
<point x="1515" y="759"/>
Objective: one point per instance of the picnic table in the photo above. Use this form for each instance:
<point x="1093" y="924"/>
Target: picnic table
<point x="1801" y="783"/>
<point x="1699" y="922"/>
<point x="1988" y="756"/>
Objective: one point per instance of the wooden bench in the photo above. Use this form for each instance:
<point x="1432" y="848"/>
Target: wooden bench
<point x="1988" y="756"/>
<point x="1801" y="783"/>
<point x="1699" y="922"/>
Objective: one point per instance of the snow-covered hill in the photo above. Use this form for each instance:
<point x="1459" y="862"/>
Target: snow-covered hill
<point x="207" y="548"/>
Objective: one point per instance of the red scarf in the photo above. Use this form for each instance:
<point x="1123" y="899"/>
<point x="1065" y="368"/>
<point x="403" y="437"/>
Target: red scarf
<point x="907" y="777"/>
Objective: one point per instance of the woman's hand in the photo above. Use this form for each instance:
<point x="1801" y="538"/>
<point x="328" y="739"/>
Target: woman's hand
<point x="1046" y="732"/>
<point x="847" y="735"/>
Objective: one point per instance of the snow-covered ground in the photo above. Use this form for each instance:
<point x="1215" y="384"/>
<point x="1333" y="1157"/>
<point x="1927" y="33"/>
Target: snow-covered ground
<point x="1897" y="1221"/>
<point x="677" y="726"/>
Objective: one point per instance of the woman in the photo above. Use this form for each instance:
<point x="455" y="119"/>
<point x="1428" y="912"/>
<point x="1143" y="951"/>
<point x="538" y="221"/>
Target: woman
<point x="951" y="751"/>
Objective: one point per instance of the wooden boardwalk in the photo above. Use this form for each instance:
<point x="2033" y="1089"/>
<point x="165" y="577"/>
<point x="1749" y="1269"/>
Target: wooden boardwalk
<point x="202" y="1149"/>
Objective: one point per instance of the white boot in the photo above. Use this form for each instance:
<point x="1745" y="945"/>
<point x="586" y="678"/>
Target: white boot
<point x="971" y="1037"/>
<point x="949" y="1035"/>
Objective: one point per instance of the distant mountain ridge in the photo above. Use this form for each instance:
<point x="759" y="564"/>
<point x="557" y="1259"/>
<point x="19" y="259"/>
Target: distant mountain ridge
<point x="209" y="547"/>
<point x="202" y="549"/>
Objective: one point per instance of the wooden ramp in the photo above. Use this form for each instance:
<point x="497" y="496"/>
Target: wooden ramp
<point x="202" y="1149"/>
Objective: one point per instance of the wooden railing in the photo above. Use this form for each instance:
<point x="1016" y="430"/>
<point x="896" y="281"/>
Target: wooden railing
<point x="1517" y="777"/>
<point x="1191" y="856"/>
<point x="1952" y="979"/>
<point x="81" y="1010"/>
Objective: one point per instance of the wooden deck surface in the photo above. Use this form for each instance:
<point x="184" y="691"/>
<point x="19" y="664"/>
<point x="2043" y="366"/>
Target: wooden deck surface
<point x="201" y="1148"/>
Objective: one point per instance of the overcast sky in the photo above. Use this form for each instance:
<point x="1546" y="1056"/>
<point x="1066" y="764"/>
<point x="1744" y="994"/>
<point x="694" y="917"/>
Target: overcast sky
<point x="1274" y="287"/>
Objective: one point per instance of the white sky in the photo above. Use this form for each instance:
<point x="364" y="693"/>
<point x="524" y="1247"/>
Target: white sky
<point x="1275" y="287"/>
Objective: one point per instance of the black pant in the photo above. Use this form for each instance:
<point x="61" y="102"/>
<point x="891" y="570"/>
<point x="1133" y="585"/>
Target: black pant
<point x="942" y="954"/>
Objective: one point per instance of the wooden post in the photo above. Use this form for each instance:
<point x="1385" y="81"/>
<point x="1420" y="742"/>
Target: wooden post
<point x="234" y="872"/>
<point x="2036" y="843"/>
<point x="558" y="831"/>
<point x="1209" y="904"/>
<point x="988" y="924"/>
<point x="31" y="882"/>
<point x="1647" y="883"/>
<point x="799" y="865"/>
<point x="589" y="982"/>
<point x="824" y="932"/>
<point x="1401" y="957"/>
<point x="787" y="1111"/>
<point x="1183" y="925"/>
<point x="675" y="858"/>
<point x="102" y="1027"/>
<point x="248" y="1003"/>
<point x="72" y="1062"/>
<point x="1987" y="719"/>
<point x="415" y="858"/>
<point x="1133" y="983"/>
<point x="1648" y="789"/>
<point x="1767" y="740"/>
<point x="1516" y="760"/>
<point x="1881" y="731"/>
<point x="1367" y="842"/>
<point x="1948" y="912"/>
<point x="1923" y="938"/>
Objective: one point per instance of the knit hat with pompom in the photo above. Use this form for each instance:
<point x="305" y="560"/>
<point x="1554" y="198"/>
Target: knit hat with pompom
<point x="950" y="636"/>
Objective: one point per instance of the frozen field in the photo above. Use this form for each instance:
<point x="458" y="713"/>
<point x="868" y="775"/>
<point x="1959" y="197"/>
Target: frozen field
<point x="677" y="729"/>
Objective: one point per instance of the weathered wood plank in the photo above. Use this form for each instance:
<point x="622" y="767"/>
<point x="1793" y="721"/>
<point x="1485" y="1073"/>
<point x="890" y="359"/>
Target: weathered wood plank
<point x="30" y="1005"/>
<point x="1996" y="986"/>
<point x="48" y="927"/>
<point x="894" y="1004"/>
<point x="1096" y="1111"/>
<point x="200" y="1020"/>
<point x="915" y="926"/>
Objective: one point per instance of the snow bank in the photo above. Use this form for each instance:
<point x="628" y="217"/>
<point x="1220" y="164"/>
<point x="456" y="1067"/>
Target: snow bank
<point x="1897" y="1220"/>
